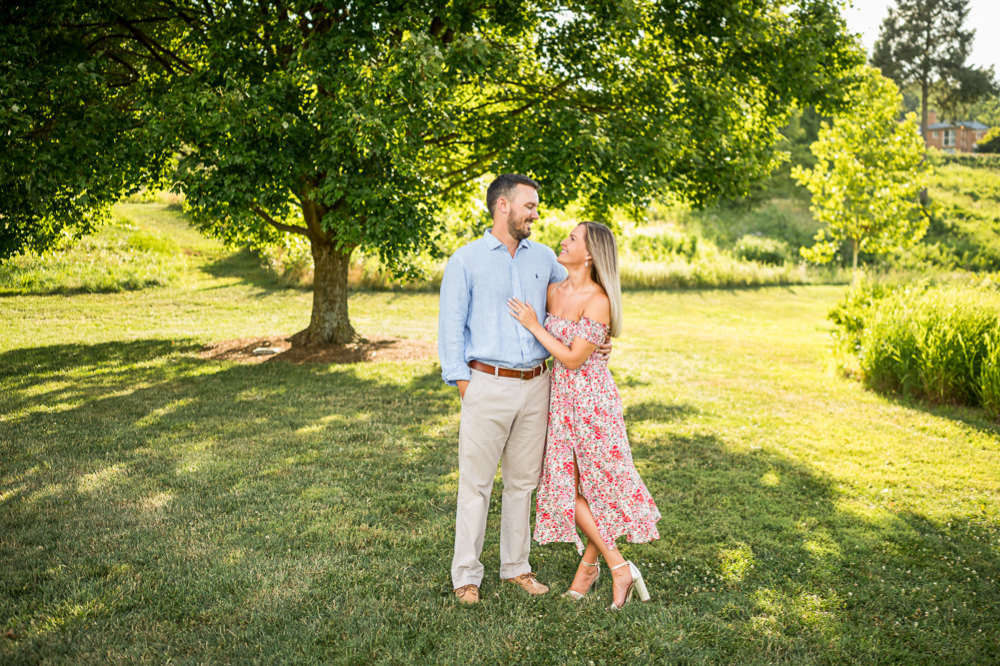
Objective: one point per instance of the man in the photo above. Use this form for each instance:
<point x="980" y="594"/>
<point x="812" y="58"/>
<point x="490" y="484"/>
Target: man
<point x="499" y="369"/>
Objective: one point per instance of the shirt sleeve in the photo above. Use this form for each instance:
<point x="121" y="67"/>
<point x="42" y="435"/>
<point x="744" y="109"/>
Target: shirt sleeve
<point x="557" y="273"/>
<point x="453" y="315"/>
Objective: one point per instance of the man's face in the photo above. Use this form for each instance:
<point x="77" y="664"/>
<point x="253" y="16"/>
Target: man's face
<point x="523" y="212"/>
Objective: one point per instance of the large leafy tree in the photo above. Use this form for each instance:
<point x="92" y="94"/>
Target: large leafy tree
<point x="73" y="136"/>
<point x="352" y="123"/>
<point x="925" y="42"/>
<point x="869" y="171"/>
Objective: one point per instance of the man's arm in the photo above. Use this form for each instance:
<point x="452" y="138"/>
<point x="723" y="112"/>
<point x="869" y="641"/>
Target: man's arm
<point x="453" y="315"/>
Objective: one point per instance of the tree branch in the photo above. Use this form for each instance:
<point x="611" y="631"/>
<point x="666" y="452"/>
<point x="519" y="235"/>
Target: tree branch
<point x="154" y="48"/>
<point x="291" y="228"/>
<point x="481" y="160"/>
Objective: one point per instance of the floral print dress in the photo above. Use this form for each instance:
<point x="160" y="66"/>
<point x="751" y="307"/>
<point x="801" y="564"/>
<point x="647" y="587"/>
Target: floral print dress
<point x="586" y="423"/>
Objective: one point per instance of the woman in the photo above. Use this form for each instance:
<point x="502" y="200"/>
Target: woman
<point x="588" y="479"/>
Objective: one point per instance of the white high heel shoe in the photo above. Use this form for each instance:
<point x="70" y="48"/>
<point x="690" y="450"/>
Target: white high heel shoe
<point x="576" y="596"/>
<point x="638" y="585"/>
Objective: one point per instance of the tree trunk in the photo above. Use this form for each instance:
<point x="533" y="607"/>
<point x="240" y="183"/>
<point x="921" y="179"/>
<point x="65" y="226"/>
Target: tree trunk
<point x="854" y="272"/>
<point x="924" y="85"/>
<point x="330" y="323"/>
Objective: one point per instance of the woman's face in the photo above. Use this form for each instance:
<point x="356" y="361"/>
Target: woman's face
<point x="574" y="249"/>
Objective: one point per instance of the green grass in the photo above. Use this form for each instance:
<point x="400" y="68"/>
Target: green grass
<point x="158" y="507"/>
<point x="133" y="252"/>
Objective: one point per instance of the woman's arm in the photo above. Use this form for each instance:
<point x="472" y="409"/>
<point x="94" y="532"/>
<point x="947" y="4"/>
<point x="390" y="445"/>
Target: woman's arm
<point x="579" y="350"/>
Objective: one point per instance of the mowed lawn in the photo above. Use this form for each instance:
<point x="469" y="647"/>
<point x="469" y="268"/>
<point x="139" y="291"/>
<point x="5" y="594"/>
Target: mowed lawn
<point x="157" y="507"/>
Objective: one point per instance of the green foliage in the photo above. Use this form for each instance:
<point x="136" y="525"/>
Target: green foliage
<point x="787" y="220"/>
<point x="938" y="343"/>
<point x="964" y="193"/>
<point x="762" y="250"/>
<point x="801" y="132"/>
<point x="868" y="173"/>
<point x="658" y="244"/>
<point x="987" y="112"/>
<point x="355" y="124"/>
<point x="990" y="143"/>
<point x="972" y="161"/>
<point x="73" y="136"/>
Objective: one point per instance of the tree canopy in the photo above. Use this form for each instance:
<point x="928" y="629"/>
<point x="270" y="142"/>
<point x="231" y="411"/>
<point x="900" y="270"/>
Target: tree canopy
<point x="352" y="123"/>
<point x="869" y="171"/>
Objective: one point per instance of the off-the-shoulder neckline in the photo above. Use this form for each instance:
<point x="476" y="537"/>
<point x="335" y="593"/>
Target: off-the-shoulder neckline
<point x="576" y="321"/>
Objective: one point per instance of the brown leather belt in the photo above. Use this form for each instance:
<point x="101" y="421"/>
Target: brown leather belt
<point x="505" y="372"/>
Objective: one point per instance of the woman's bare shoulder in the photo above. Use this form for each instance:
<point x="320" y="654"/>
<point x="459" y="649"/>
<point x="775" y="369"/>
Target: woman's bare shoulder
<point x="598" y="308"/>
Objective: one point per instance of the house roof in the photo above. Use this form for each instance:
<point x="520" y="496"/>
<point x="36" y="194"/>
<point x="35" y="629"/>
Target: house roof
<point x="968" y="124"/>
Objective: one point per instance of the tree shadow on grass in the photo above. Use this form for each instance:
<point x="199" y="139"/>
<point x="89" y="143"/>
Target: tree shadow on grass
<point x="156" y="506"/>
<point x="775" y="556"/>
<point x="659" y="412"/>
<point x="214" y="492"/>
<point x="245" y="266"/>
<point x="974" y="417"/>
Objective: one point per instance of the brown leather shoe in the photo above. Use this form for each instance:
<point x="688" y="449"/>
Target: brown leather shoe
<point x="467" y="594"/>
<point x="529" y="583"/>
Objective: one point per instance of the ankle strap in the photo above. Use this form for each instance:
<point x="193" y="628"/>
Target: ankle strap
<point x="588" y="564"/>
<point x="625" y="563"/>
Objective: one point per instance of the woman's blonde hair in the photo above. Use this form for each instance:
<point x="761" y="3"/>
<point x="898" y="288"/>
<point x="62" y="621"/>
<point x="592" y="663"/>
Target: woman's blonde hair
<point x="603" y="250"/>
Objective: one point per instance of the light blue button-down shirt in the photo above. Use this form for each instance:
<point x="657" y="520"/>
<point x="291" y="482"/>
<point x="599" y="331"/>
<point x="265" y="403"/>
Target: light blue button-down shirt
<point x="474" y="323"/>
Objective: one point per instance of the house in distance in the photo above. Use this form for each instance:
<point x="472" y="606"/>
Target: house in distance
<point x="954" y="137"/>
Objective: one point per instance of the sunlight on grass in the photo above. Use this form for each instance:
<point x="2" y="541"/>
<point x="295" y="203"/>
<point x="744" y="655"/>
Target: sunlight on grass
<point x="736" y="563"/>
<point x="97" y="481"/>
<point x="770" y="479"/>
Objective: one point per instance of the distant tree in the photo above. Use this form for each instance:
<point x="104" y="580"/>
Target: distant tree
<point x="987" y="112"/>
<point x="955" y="97"/>
<point x="990" y="143"/>
<point x="351" y="123"/>
<point x="869" y="171"/>
<point x="924" y="42"/>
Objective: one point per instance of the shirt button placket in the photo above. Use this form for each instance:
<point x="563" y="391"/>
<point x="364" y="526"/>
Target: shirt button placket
<point x="516" y="288"/>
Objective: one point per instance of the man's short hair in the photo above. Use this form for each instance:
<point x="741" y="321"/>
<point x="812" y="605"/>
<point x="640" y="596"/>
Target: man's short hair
<point x="504" y="186"/>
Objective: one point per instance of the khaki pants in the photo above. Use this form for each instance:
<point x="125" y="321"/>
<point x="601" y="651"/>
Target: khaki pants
<point x="502" y="419"/>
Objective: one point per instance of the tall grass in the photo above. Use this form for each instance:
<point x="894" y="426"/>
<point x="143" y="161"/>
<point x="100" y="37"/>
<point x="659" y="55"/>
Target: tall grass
<point x="719" y="271"/>
<point x="934" y="342"/>
<point x="121" y="257"/>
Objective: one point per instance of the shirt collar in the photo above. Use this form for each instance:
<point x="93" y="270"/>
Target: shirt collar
<point x="493" y="243"/>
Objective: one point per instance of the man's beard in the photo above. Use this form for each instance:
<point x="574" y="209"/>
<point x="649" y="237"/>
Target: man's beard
<point x="516" y="227"/>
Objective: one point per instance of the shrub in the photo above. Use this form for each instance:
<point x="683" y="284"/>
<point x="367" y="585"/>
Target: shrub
<point x="940" y="343"/>
<point x="762" y="250"/>
<point x="659" y="244"/>
<point x="990" y="144"/>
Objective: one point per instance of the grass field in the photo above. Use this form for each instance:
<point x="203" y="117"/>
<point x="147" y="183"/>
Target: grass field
<point x="157" y="507"/>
